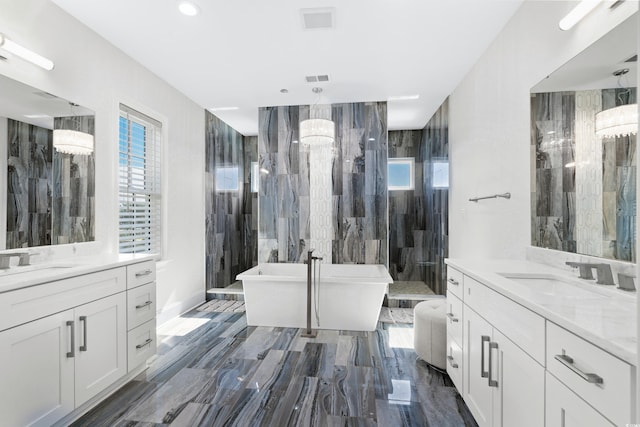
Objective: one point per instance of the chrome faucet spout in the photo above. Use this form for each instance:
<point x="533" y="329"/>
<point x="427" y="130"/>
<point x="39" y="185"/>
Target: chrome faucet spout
<point x="584" y="268"/>
<point x="605" y="276"/>
<point x="6" y="258"/>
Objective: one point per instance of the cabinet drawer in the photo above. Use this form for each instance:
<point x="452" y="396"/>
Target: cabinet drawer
<point x="614" y="396"/>
<point x="141" y="273"/>
<point x="141" y="305"/>
<point x="454" y="317"/>
<point x="27" y="304"/>
<point x="455" y="281"/>
<point x="565" y="408"/>
<point x="454" y="363"/>
<point x="524" y="327"/>
<point x="141" y="344"/>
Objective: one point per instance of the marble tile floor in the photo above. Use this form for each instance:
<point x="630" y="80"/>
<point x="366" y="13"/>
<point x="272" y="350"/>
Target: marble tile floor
<point x="211" y="369"/>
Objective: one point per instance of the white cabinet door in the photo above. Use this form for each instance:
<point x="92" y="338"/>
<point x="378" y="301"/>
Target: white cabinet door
<point x="517" y="381"/>
<point x="566" y="409"/>
<point x="36" y="371"/>
<point x="101" y="341"/>
<point x="477" y="393"/>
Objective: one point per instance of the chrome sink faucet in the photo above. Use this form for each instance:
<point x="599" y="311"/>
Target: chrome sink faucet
<point x="603" y="271"/>
<point x="584" y="268"/>
<point x="6" y="258"/>
<point x="605" y="276"/>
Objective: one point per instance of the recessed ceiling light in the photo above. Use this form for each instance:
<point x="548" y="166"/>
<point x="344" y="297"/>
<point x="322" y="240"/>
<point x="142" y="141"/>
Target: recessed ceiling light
<point x="372" y="139"/>
<point x="224" y="108"/>
<point x="403" y="98"/>
<point x="189" y="9"/>
<point x="37" y="116"/>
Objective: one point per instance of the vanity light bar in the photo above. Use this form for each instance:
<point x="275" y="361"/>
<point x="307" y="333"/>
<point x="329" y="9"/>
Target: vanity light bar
<point x="24" y="53"/>
<point x="577" y="13"/>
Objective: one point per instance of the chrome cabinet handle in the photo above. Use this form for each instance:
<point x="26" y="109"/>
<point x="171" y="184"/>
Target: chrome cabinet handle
<point x="72" y="353"/>
<point x="453" y="282"/>
<point x="452" y="317"/>
<point x="144" y="273"/>
<point x="144" y="344"/>
<point x="484" y="339"/>
<point x="143" y="305"/>
<point x="568" y="362"/>
<point x="492" y="346"/>
<point x="83" y="347"/>
<point x="452" y="362"/>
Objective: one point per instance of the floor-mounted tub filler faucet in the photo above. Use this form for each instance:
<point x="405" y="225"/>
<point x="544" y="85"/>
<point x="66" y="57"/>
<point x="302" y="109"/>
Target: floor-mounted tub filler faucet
<point x="308" y="332"/>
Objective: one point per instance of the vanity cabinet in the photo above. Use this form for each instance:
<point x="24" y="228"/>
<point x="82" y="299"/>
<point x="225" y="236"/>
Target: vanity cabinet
<point x="141" y="323"/>
<point x="36" y="375"/>
<point x="53" y="364"/>
<point x="501" y="347"/>
<point x="503" y="385"/>
<point x="603" y="381"/>
<point x="520" y="368"/>
<point x="454" y="340"/>
<point x="100" y="345"/>
<point x="566" y="409"/>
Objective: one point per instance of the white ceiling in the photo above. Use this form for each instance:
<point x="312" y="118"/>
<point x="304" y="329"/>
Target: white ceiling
<point x="30" y="105"/>
<point x="593" y="67"/>
<point x="240" y="53"/>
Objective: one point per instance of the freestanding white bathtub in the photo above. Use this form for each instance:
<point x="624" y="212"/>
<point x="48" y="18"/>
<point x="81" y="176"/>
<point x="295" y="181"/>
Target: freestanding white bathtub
<point x="350" y="295"/>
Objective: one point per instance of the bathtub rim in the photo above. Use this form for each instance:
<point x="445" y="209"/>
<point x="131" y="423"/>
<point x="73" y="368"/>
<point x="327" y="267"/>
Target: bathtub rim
<point x="251" y="274"/>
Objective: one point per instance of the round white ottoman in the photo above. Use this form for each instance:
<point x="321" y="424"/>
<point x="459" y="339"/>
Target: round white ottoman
<point x="430" y="331"/>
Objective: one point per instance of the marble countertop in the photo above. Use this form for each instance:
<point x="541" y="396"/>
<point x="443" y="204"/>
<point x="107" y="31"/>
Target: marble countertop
<point x="40" y="273"/>
<point x="600" y="314"/>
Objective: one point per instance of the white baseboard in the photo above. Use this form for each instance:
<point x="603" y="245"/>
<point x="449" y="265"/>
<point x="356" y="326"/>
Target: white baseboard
<point x="174" y="310"/>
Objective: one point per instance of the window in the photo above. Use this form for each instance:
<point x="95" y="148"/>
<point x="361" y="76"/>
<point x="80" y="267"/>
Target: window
<point x="440" y="177"/>
<point x="227" y="178"/>
<point x="400" y="173"/>
<point x="139" y="195"/>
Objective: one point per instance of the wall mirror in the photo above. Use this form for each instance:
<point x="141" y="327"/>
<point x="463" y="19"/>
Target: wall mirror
<point x="47" y="196"/>
<point x="583" y="169"/>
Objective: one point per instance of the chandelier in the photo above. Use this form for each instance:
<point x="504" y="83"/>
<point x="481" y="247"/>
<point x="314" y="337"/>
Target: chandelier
<point x="73" y="141"/>
<point x="618" y="121"/>
<point x="317" y="130"/>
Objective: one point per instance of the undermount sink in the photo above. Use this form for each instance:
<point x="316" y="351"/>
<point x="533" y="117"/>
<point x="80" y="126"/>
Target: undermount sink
<point x="31" y="268"/>
<point x="552" y="285"/>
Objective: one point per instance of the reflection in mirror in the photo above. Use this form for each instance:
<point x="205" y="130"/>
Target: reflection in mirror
<point x="49" y="194"/>
<point x="584" y="192"/>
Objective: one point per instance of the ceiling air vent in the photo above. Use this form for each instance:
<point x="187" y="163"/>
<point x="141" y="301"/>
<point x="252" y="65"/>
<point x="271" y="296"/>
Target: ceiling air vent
<point x="318" y="18"/>
<point x="319" y="78"/>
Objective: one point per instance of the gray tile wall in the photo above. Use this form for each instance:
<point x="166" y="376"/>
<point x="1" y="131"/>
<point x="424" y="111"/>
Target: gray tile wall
<point x="73" y="188"/>
<point x="435" y="243"/>
<point x="554" y="197"/>
<point x="230" y="223"/>
<point x="418" y="219"/>
<point x="619" y="184"/>
<point x="553" y="120"/>
<point x="407" y="237"/>
<point x="29" y="180"/>
<point x="359" y="184"/>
